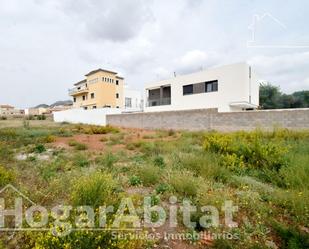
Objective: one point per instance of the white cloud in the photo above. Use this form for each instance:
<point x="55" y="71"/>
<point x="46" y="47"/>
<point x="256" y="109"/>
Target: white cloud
<point x="46" y="46"/>
<point x="290" y="71"/>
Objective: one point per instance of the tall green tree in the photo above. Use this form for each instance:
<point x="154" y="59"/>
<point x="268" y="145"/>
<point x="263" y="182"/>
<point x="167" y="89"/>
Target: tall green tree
<point x="271" y="97"/>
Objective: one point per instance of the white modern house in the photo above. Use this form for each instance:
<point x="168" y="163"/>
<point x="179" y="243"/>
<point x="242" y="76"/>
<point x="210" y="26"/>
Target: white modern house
<point x="229" y="88"/>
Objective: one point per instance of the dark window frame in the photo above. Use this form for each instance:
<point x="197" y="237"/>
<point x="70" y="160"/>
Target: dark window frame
<point x="213" y="84"/>
<point x="187" y="89"/>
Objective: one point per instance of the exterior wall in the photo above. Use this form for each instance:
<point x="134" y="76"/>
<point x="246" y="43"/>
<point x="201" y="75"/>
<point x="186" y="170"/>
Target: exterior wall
<point x="104" y="91"/>
<point x="211" y="119"/>
<point x="7" y="111"/>
<point x="233" y="86"/>
<point x="36" y="111"/>
<point x="94" y="117"/>
<point x="136" y="99"/>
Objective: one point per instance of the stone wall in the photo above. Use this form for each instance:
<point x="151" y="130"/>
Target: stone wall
<point x="211" y="119"/>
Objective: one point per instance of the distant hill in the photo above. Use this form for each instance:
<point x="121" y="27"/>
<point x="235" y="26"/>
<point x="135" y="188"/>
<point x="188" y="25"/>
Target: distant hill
<point x="63" y="102"/>
<point x="41" y="106"/>
<point x="57" y="103"/>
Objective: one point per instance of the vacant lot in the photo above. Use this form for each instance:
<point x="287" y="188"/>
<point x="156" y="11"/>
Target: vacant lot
<point x="265" y="174"/>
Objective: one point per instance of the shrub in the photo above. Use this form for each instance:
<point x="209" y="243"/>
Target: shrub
<point x="6" y="176"/>
<point x="104" y="139"/>
<point x="203" y="164"/>
<point x="296" y="175"/>
<point x="149" y="175"/>
<point x="50" y="139"/>
<point x="83" y="239"/>
<point x="6" y="153"/>
<point x="135" y="180"/>
<point x="107" y="160"/>
<point x="94" y="190"/>
<point x="80" y="146"/>
<point x="64" y="132"/>
<point x="80" y="160"/>
<point x="94" y="129"/>
<point x="41" y="117"/>
<point x="184" y="183"/>
<point x="291" y="237"/>
<point x="72" y="143"/>
<point x="116" y="139"/>
<point x="26" y="124"/>
<point x="40" y="148"/>
<point x="248" y="150"/>
<point x="77" y="145"/>
<point x="222" y="244"/>
<point x="159" y="161"/>
<point x="130" y="146"/>
<point x="171" y="132"/>
<point x="50" y="170"/>
<point x="162" y="188"/>
<point x="30" y="117"/>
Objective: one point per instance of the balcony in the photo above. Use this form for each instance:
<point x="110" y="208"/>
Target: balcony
<point x="158" y="96"/>
<point x="78" y="90"/>
<point x="158" y="102"/>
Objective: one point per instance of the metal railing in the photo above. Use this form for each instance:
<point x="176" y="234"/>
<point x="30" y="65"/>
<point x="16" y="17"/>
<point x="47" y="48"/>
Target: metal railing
<point x="158" y="102"/>
<point x="78" y="89"/>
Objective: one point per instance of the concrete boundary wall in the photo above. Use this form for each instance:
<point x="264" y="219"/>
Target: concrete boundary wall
<point x="211" y="119"/>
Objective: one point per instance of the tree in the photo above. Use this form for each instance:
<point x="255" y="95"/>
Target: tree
<point x="271" y="97"/>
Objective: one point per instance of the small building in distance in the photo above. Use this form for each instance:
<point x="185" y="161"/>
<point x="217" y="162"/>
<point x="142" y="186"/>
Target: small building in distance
<point x="8" y="110"/>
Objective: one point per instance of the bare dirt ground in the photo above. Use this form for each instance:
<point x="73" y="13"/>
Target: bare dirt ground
<point x="99" y="142"/>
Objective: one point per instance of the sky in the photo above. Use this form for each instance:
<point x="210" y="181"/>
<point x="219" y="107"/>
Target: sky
<point x="48" y="45"/>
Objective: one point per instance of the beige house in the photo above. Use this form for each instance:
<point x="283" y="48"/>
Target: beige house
<point x="101" y="88"/>
<point x="36" y="111"/>
<point x="7" y="110"/>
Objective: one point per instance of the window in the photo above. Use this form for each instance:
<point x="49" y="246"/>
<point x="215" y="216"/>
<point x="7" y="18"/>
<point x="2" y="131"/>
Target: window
<point x="117" y="82"/>
<point x="211" y="86"/>
<point x="117" y="95"/>
<point x="117" y="106"/>
<point x="74" y="99"/>
<point x="85" y="108"/>
<point x="92" y="95"/>
<point x="128" y="102"/>
<point x="204" y="87"/>
<point x="94" y="107"/>
<point x="84" y="97"/>
<point x="188" y="89"/>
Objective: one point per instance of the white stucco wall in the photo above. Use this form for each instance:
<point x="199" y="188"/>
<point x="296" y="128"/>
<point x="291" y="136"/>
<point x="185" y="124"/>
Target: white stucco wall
<point x="93" y="116"/>
<point x="136" y="99"/>
<point x="233" y="86"/>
